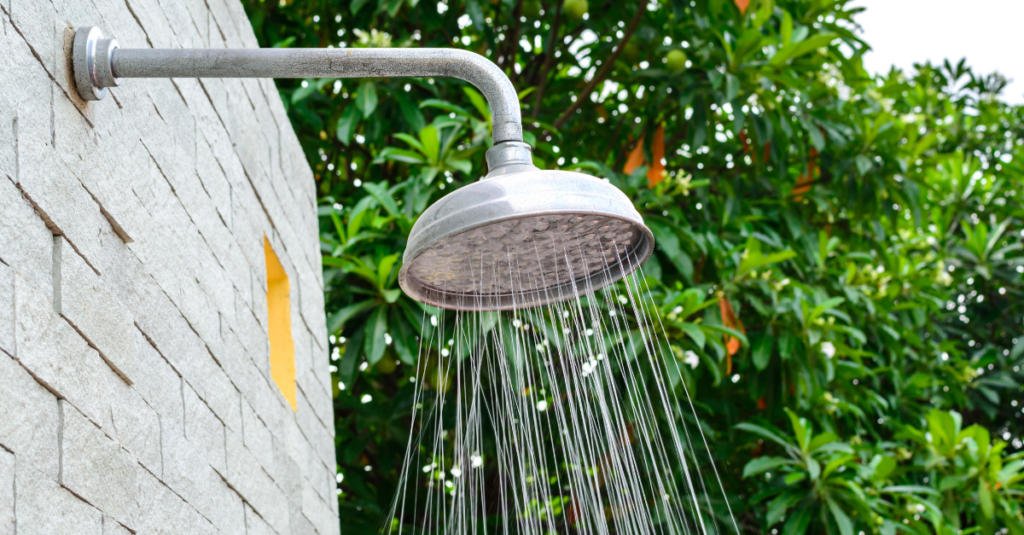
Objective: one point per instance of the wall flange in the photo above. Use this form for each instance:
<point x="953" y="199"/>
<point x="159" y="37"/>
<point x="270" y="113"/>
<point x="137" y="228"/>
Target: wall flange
<point x="93" y="63"/>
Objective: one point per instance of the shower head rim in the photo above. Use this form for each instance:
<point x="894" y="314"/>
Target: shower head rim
<point x="521" y="196"/>
<point x="610" y="275"/>
<point x="408" y="256"/>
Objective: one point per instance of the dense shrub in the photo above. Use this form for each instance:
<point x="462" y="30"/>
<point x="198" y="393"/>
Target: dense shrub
<point x="864" y="233"/>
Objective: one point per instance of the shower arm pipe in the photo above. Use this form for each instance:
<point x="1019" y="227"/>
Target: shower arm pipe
<point x="100" y="63"/>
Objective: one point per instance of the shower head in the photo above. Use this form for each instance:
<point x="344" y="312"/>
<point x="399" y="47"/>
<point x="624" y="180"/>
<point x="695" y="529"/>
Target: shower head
<point x="523" y="237"/>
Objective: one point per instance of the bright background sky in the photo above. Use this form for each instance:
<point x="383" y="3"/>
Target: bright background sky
<point x="989" y="33"/>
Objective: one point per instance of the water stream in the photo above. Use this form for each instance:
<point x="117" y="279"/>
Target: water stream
<point x="561" y="418"/>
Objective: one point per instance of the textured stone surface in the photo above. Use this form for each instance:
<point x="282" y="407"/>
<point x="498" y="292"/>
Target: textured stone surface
<point x="42" y="507"/>
<point x="135" y="389"/>
<point x="96" y="468"/>
<point x="81" y="297"/>
<point x="257" y="437"/>
<point x="136" y="426"/>
<point x="36" y="21"/>
<point x="6" y="492"/>
<point x="6" y="309"/>
<point x="56" y="356"/>
<point x="203" y="429"/>
<point x="255" y="485"/>
<point x="113" y="527"/>
<point x="165" y="512"/>
<point x="29" y="426"/>
<point x="25" y="243"/>
<point x="255" y="525"/>
<point x="160" y="387"/>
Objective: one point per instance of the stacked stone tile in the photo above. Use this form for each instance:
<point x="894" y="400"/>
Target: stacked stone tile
<point x="135" y="390"/>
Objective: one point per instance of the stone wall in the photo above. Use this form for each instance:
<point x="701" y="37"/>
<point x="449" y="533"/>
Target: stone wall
<point x="135" y="389"/>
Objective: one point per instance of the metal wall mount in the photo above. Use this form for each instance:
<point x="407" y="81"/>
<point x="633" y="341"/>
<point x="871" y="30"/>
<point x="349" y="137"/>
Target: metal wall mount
<point x="100" y="63"/>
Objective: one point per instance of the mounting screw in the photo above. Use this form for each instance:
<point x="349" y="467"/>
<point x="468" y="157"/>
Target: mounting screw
<point x="93" y="63"/>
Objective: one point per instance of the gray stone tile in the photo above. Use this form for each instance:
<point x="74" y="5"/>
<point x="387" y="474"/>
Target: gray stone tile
<point x="96" y="468"/>
<point x="82" y="298"/>
<point x="45" y="508"/>
<point x="6" y="492"/>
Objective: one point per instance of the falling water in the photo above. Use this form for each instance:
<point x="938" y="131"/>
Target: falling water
<point x="561" y="418"/>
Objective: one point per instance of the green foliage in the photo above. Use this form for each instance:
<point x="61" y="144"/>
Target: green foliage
<point x="839" y="263"/>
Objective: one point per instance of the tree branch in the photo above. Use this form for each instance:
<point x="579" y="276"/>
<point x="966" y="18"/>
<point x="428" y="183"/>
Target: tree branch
<point x="549" y="56"/>
<point x="605" y="69"/>
<point x="512" y="43"/>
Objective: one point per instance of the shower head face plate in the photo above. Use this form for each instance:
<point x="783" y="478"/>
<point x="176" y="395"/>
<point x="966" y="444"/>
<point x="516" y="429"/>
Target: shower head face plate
<point x="522" y="240"/>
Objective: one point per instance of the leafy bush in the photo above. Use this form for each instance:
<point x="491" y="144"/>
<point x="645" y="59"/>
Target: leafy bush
<point x="839" y="261"/>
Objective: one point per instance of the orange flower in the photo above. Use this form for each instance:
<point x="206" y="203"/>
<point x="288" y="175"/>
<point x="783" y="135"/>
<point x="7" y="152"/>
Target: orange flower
<point x="729" y="319"/>
<point x="656" y="172"/>
<point x="742" y="4"/>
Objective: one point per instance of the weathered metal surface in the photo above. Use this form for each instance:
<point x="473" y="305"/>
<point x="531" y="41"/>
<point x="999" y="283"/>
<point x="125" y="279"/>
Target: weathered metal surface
<point x="303" y="63"/>
<point x="523" y="239"/>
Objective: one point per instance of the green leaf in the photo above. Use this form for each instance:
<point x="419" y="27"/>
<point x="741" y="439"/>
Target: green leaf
<point x="347" y="124"/>
<point x="764" y="12"/>
<point x="813" y="469"/>
<point x="835" y="464"/>
<point x="754" y="259"/>
<point x="350" y="358"/>
<point x="384" y="269"/>
<point x="821" y="440"/>
<point x="800" y="429"/>
<point x="796" y="523"/>
<point x="411" y="112"/>
<point x="366" y="98"/>
<point x="726" y="330"/>
<point x="777" y="509"/>
<point x="786" y="30"/>
<point x="694" y="332"/>
<point x="431" y="143"/>
<point x="478" y="102"/>
<point x="304" y="91"/>
<point x="842" y="521"/>
<point x="795" y="50"/>
<point x="763" y="464"/>
<point x="400" y="155"/>
<point x="446" y="106"/>
<point x="668" y="242"/>
<point x="379" y="191"/>
<point x="393" y="6"/>
<point x="863" y="164"/>
<point x="985" y="499"/>
<point x="376" y="326"/>
<point x="404" y="337"/>
<point x="758" y="430"/>
<point x="909" y="489"/>
<point x="763" y="351"/>
<point x="882" y="467"/>
<point x="942" y="428"/>
<point x="356" y="5"/>
<point x="1018" y="348"/>
<point x="476" y="14"/>
<point x="463" y="166"/>
<point x="338" y="319"/>
<point x="413" y="142"/>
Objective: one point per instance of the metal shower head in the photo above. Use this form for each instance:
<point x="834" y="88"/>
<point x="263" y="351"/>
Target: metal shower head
<point x="523" y="237"/>
<point x="518" y="238"/>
